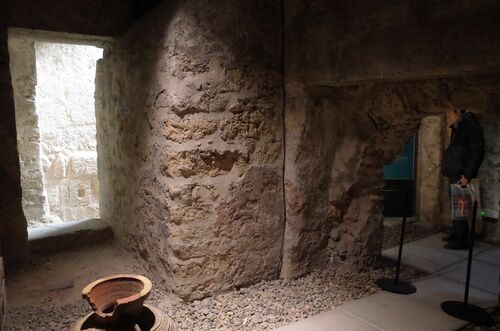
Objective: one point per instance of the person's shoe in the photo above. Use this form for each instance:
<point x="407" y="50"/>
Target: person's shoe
<point x="457" y="245"/>
<point x="449" y="238"/>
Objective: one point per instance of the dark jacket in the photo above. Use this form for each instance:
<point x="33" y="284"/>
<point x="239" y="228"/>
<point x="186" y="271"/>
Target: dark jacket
<point x="465" y="153"/>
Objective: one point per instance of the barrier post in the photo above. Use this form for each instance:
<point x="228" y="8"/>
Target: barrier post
<point x="464" y="310"/>
<point x="395" y="285"/>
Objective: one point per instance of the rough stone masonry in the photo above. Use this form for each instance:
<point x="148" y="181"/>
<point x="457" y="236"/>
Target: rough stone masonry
<point x="193" y="180"/>
<point x="217" y="178"/>
<point x="244" y="140"/>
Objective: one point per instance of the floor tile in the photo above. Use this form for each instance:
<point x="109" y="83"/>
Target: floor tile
<point x="421" y="310"/>
<point x="435" y="289"/>
<point x="491" y="256"/>
<point x="330" y="321"/>
<point x="393" y="312"/>
<point x="425" y="258"/>
<point x="436" y="242"/>
<point x="483" y="276"/>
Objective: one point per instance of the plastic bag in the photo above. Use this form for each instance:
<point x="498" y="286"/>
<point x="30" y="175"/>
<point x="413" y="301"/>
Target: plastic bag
<point x="462" y="199"/>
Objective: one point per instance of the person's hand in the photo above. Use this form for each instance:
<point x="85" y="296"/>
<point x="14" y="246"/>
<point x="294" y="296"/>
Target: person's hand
<point x="463" y="181"/>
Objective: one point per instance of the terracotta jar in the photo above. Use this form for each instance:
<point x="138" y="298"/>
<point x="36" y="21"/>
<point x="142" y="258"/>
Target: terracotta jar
<point x="152" y="320"/>
<point x="118" y="304"/>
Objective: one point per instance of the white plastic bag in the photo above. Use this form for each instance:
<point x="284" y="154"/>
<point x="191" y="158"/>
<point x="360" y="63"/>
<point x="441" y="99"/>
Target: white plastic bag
<point x="462" y="199"/>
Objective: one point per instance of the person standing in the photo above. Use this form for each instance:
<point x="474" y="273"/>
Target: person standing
<point x="461" y="163"/>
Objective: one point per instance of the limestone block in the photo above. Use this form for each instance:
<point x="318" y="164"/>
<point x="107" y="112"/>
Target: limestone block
<point x="76" y="202"/>
<point x="96" y="189"/>
<point x="45" y="163"/>
<point x="183" y="100"/>
<point x="431" y="141"/>
<point x="57" y="169"/>
<point x="53" y="195"/>
<point x="22" y="65"/>
<point x="33" y="183"/>
<point x="190" y="127"/>
<point x="75" y="191"/>
<point x="202" y="163"/>
<point x="243" y="125"/>
<point x="83" y="164"/>
<point x="246" y="220"/>
<point x="33" y="198"/>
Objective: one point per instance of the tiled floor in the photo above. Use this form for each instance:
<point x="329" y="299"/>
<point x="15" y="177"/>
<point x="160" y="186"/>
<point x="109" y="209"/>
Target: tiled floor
<point x="484" y="276"/>
<point x="331" y="320"/>
<point x="428" y="254"/>
<point x="420" y="311"/>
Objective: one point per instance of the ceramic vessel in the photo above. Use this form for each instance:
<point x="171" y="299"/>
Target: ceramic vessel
<point x="117" y="298"/>
<point x="151" y="320"/>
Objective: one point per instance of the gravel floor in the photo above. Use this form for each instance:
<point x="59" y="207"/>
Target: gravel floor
<point x="264" y="306"/>
<point x="413" y="232"/>
<point x="270" y="304"/>
<point x="53" y="316"/>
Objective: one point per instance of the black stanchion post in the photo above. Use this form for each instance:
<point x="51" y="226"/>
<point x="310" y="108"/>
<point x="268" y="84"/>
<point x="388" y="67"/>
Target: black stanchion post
<point x="464" y="310"/>
<point x="402" y="238"/>
<point x="469" y="258"/>
<point x="394" y="285"/>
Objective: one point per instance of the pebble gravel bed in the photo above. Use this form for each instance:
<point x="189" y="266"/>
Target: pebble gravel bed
<point x="271" y="304"/>
<point x="266" y="305"/>
<point x="413" y="232"/>
<point x="52" y="316"/>
<point x="263" y="306"/>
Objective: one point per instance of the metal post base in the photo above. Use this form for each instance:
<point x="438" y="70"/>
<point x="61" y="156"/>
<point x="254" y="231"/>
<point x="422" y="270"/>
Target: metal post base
<point x="470" y="313"/>
<point x="390" y="285"/>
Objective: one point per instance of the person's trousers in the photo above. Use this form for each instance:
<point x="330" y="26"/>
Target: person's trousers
<point x="461" y="231"/>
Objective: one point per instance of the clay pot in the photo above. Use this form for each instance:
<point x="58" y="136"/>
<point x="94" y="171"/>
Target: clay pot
<point x="150" y="320"/>
<point x="117" y="298"/>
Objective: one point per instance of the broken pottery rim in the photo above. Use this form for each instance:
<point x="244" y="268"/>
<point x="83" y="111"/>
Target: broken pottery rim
<point x="143" y="293"/>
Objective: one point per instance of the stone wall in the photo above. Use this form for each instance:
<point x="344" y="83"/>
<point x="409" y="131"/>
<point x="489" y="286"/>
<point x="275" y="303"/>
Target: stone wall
<point x="23" y="71"/>
<point x="490" y="169"/>
<point x="190" y="138"/>
<point x="202" y="127"/>
<point x="489" y="174"/>
<point x="13" y="227"/>
<point x="190" y="117"/>
<point x="361" y="72"/>
<point x="430" y="182"/>
<point x="332" y="43"/>
<point x="337" y="141"/>
<point x="65" y="102"/>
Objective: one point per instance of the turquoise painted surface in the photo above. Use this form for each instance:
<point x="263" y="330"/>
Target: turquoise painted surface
<point x="403" y="166"/>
